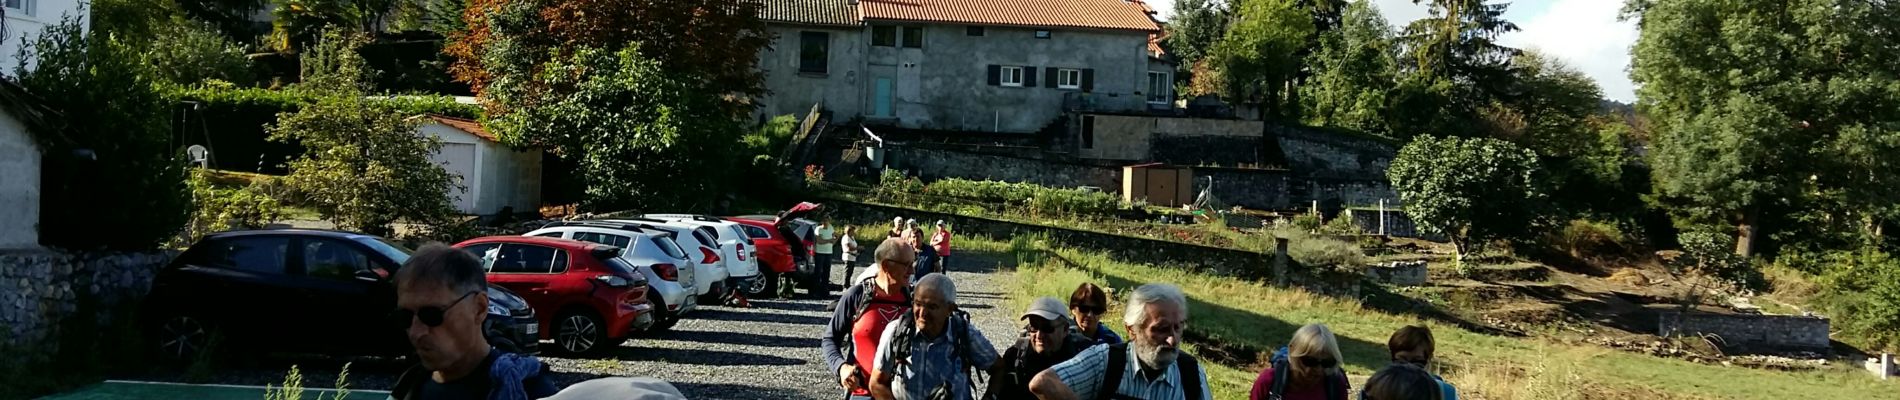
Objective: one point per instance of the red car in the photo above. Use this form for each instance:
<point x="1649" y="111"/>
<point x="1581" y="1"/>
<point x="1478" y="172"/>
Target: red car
<point x="774" y="253"/>
<point x="588" y="300"/>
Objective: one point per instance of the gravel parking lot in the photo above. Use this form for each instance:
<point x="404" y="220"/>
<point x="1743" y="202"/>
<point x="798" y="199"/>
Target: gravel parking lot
<point x="770" y="351"/>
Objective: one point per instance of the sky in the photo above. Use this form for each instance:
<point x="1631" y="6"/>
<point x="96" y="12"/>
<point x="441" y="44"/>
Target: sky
<point x="1583" y="33"/>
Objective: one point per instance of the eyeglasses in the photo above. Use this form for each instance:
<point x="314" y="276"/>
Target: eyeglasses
<point x="430" y="316"/>
<point x="1316" y="362"/>
<point x="1089" y="309"/>
<point x="1038" y="326"/>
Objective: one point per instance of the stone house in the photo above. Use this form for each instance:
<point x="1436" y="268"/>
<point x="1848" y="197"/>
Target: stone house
<point x="25" y="19"/>
<point x="493" y="176"/>
<point x="25" y="124"/>
<point x="972" y="65"/>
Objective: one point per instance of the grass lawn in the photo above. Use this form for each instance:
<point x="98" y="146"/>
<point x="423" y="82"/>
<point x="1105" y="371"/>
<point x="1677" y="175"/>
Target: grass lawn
<point x="1482" y="366"/>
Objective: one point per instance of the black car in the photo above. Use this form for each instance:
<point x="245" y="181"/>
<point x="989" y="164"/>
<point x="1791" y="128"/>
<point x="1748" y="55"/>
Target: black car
<point x="295" y="290"/>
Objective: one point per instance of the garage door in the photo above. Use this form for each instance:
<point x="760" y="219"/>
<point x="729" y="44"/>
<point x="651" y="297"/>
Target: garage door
<point x="459" y="160"/>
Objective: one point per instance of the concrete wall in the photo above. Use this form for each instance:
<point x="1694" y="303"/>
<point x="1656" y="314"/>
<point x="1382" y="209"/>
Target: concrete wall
<point x="25" y="25"/>
<point x="945" y="84"/>
<point x="1259" y="189"/>
<point x="1146" y="138"/>
<point x="936" y="164"/>
<point x="1751" y="333"/>
<point x="1319" y="154"/>
<point x="41" y="289"/>
<point x="19" y="186"/>
<point x="841" y="88"/>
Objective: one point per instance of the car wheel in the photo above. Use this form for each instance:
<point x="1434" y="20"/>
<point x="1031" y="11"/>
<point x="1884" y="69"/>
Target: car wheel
<point x="759" y="286"/>
<point x="580" y="332"/>
<point x="663" y="318"/>
<point x="183" y="337"/>
<point x="715" y="296"/>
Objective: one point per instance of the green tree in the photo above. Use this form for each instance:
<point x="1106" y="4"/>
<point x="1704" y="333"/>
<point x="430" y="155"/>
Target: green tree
<point x="366" y="166"/>
<point x="642" y="134"/>
<point x="234" y="18"/>
<point x="194" y="52"/>
<point x="1258" y="59"/>
<point x="1196" y="26"/>
<point x="298" y="23"/>
<point x="1353" y="72"/>
<point x="1473" y="190"/>
<point x="1777" y="118"/>
<point x="112" y="163"/>
<point x="1453" y="68"/>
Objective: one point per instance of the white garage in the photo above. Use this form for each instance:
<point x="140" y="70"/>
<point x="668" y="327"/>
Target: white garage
<point x="493" y="175"/>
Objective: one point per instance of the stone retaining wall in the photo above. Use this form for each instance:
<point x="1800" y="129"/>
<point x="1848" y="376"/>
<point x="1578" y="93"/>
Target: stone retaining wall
<point x="39" y="290"/>
<point x="1750" y="333"/>
<point x="932" y="164"/>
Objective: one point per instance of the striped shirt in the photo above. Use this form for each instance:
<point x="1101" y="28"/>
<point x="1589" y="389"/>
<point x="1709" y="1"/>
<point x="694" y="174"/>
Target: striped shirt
<point x="1084" y="375"/>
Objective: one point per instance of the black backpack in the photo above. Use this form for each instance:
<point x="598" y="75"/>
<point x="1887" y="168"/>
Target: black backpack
<point x="867" y="289"/>
<point x="1281" y="371"/>
<point x="1190" y="371"/>
<point x="960" y="335"/>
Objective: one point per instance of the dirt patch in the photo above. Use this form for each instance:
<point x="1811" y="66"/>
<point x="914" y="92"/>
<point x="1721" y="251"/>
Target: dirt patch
<point x="1630" y="276"/>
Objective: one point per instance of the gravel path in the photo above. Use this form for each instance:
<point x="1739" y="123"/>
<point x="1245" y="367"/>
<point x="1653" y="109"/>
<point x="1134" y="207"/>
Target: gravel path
<point x="770" y="351"/>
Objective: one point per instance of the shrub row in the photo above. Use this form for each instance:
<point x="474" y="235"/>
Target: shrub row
<point x="230" y="121"/>
<point x="1038" y="199"/>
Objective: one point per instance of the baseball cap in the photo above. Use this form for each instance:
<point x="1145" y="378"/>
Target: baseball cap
<point x="940" y="222"/>
<point x="620" y="388"/>
<point x="1046" y="307"/>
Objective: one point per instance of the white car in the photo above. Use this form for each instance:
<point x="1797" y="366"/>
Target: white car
<point x="740" y="255"/>
<point x="701" y="249"/>
<point x="653" y="252"/>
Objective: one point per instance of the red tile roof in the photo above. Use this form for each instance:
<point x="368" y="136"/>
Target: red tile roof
<point x="466" y="125"/>
<point x="1099" y="14"/>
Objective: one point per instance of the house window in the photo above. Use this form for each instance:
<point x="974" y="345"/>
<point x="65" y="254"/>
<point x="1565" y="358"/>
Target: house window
<point x="23" y="6"/>
<point x="973" y="30"/>
<point x="1159" y="87"/>
<point x="1043" y="34"/>
<point x="884" y="36"/>
<point x="1013" y="76"/>
<point x="813" y="52"/>
<point x="914" y="37"/>
<point x="1069" y="79"/>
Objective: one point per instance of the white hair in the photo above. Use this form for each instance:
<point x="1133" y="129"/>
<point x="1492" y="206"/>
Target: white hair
<point x="1153" y="293"/>
<point x="941" y="284"/>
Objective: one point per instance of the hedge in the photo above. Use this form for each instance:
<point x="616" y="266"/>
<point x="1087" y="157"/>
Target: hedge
<point x="231" y="122"/>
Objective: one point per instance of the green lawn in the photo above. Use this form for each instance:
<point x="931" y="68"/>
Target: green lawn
<point x="1483" y="366"/>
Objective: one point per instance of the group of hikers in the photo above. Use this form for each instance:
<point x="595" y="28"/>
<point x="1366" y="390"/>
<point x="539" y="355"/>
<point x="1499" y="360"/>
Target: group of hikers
<point x="898" y="334"/>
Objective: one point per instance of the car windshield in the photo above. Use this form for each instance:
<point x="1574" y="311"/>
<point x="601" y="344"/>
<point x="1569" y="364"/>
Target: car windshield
<point x="396" y="252"/>
<point x="667" y="246"/>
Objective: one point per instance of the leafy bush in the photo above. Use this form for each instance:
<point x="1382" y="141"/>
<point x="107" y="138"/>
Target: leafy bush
<point x="1307" y="222"/>
<point x="1341" y="225"/>
<point x="193" y="52"/>
<point x="113" y="164"/>
<point x="1037" y="199"/>
<point x="1591" y="240"/>
<point x="1713" y="254"/>
<point x="1319" y="252"/>
<point x="366" y="166"/>
<point x="1862" y="292"/>
<point x="1473" y="190"/>
<point x="893" y="185"/>
<point x="218" y="209"/>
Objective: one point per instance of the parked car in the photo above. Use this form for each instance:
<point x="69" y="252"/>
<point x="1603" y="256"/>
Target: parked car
<point x="775" y="252"/>
<point x="652" y="252"/>
<point x="708" y="260"/>
<point x="511" y="324"/>
<point x="740" y="256"/>
<point x="589" y="299"/>
<point x="296" y="290"/>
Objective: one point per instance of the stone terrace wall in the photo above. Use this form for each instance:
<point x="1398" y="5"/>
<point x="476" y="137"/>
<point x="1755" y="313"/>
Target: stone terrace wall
<point x="1259" y="189"/>
<point x="1333" y="155"/>
<point x="1750" y="332"/>
<point x="41" y="289"/>
<point x="937" y="164"/>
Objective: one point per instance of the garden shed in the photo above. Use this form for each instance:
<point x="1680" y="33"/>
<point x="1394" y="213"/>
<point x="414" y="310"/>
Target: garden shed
<point x="1159" y="184"/>
<point x="493" y="175"/>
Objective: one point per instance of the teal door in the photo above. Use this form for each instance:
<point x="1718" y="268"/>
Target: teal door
<point x="881" y="100"/>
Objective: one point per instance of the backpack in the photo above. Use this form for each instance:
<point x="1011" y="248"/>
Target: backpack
<point x="1282" y="368"/>
<point x="867" y="289"/>
<point x="1190" y="371"/>
<point x="959" y="335"/>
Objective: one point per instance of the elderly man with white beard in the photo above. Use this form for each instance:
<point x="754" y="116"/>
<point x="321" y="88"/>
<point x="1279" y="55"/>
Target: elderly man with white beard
<point x="1150" y="366"/>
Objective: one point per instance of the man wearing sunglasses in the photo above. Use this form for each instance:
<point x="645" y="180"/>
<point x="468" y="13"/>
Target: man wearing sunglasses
<point x="863" y="312"/>
<point x="440" y="303"/>
<point x="1047" y="340"/>
<point x="1150" y="366"/>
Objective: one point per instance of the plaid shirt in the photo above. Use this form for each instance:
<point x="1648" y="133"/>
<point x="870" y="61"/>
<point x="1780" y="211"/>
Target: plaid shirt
<point x="933" y="362"/>
<point x="1084" y="375"/>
